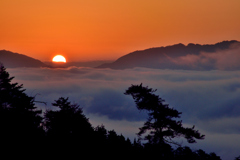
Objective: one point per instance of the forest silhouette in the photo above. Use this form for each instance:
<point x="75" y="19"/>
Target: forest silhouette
<point x="66" y="132"/>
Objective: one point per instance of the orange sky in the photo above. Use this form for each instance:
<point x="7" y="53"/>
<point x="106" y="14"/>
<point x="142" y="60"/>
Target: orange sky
<point x="107" y="29"/>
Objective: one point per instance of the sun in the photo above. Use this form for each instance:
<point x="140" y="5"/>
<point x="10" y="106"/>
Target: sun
<point x="59" y="58"/>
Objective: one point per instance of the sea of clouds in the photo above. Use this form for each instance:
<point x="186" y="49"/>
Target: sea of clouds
<point x="227" y="59"/>
<point x="210" y="100"/>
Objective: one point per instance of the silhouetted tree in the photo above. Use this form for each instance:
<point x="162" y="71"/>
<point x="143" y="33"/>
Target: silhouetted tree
<point x="118" y="145"/>
<point x="161" y="122"/>
<point x="110" y="142"/>
<point x="213" y="156"/>
<point x="101" y="133"/>
<point x="20" y="121"/>
<point x="68" y="130"/>
<point x="187" y="154"/>
<point x="202" y="155"/>
<point x="67" y="121"/>
<point x="19" y="117"/>
<point x="184" y="153"/>
<point x="101" y="143"/>
<point x="115" y="141"/>
<point x="137" y="143"/>
<point x="237" y="158"/>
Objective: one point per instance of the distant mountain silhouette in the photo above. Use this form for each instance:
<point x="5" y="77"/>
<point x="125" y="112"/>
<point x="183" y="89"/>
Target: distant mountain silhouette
<point x="167" y="57"/>
<point x="12" y="60"/>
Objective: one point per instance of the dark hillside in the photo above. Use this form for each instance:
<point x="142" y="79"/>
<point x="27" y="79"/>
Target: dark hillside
<point x="163" y="57"/>
<point x="12" y="60"/>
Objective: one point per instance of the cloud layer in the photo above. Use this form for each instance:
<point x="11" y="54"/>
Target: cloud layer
<point x="220" y="60"/>
<point x="208" y="99"/>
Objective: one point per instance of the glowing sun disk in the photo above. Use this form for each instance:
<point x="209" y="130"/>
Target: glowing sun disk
<point x="59" y="58"/>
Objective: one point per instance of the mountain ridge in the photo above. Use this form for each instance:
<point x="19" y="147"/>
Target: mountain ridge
<point x="12" y="60"/>
<point x="177" y="56"/>
<point x="163" y="57"/>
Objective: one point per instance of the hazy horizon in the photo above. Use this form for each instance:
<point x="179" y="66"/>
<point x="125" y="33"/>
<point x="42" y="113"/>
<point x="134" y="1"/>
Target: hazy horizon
<point x="111" y="60"/>
<point x="82" y="30"/>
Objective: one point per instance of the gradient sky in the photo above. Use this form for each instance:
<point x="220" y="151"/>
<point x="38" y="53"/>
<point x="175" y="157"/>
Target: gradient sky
<point x="107" y="29"/>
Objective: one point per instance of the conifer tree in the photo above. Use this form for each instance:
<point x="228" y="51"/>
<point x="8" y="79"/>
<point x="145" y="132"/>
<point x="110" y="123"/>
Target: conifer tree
<point x="67" y="120"/>
<point x="161" y="125"/>
<point x="67" y="128"/>
<point x="19" y="118"/>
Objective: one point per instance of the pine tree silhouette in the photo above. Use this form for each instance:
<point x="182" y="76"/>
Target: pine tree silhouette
<point x="161" y="124"/>
<point x="20" y="121"/>
<point x="68" y="130"/>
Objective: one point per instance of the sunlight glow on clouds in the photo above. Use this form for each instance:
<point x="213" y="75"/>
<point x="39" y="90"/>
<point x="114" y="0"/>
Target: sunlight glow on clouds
<point x="220" y="60"/>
